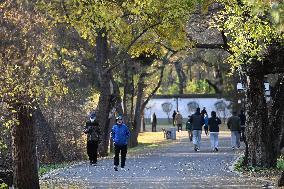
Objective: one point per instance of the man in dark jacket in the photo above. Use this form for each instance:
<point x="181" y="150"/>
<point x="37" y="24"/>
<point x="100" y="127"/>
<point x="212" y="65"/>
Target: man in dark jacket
<point x="242" y="116"/>
<point x="93" y="138"/>
<point x="196" y="121"/>
<point x="120" y="134"/>
<point x="174" y="117"/>
<point x="154" y="122"/>
<point x="234" y="124"/>
<point x="214" y="123"/>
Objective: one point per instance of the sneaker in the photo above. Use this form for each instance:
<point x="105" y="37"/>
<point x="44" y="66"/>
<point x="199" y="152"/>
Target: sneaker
<point x="122" y="167"/>
<point x="94" y="164"/>
<point x="216" y="149"/>
<point x="115" y="168"/>
<point x="233" y="148"/>
<point x="197" y="149"/>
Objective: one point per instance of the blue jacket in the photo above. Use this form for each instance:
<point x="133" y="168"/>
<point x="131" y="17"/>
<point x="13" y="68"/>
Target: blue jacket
<point x="120" y="134"/>
<point x="206" y="119"/>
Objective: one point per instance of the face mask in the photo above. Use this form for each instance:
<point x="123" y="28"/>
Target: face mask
<point x="92" y="119"/>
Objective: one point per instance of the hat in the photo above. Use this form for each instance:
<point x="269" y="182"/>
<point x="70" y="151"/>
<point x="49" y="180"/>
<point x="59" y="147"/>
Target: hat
<point x="93" y="115"/>
<point x="119" y="118"/>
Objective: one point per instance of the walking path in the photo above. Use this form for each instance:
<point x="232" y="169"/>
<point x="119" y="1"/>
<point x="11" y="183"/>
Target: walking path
<point x="174" y="166"/>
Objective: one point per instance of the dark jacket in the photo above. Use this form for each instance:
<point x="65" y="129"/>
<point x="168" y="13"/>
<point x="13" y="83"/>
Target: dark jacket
<point x="188" y="125"/>
<point x="197" y="121"/>
<point x="214" y="123"/>
<point x="234" y="123"/>
<point x="243" y="119"/>
<point x="120" y="134"/>
<point x="93" y="131"/>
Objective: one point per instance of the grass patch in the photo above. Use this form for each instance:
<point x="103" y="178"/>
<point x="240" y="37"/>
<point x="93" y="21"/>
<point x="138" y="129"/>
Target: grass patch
<point x="46" y="168"/>
<point x="239" y="166"/>
<point x="149" y="141"/>
<point x="259" y="172"/>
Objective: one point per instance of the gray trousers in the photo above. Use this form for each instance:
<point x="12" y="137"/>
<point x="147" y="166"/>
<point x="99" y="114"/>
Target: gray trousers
<point x="235" y="139"/>
<point x="196" y="138"/>
<point x="214" y="139"/>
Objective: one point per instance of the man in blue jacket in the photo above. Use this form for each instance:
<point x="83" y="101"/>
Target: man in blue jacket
<point x="120" y="134"/>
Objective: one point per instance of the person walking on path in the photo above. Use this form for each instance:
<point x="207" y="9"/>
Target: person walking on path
<point x="234" y="124"/>
<point x="178" y="121"/>
<point x="154" y="122"/>
<point x="242" y="116"/>
<point x="197" y="122"/>
<point x="120" y="134"/>
<point x="206" y="119"/>
<point x="189" y="129"/>
<point x="93" y="138"/>
<point x="174" y="117"/>
<point x="203" y="111"/>
<point x="213" y="124"/>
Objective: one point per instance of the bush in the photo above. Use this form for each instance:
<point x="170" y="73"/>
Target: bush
<point x="3" y="186"/>
<point x="280" y="163"/>
<point x="239" y="166"/>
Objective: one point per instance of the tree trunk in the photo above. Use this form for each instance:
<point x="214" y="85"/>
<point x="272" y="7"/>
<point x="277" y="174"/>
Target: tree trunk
<point x="281" y="180"/>
<point x="181" y="77"/>
<point x="104" y="105"/>
<point x="260" y="149"/>
<point x="25" y="166"/>
<point x="143" y="121"/>
<point x="137" y="114"/>
<point x="277" y="118"/>
<point x="47" y="145"/>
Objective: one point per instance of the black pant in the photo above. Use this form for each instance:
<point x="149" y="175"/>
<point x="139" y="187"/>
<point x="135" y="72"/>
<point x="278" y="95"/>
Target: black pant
<point x="206" y="130"/>
<point x="117" y="149"/>
<point x="92" y="150"/>
<point x="243" y="137"/>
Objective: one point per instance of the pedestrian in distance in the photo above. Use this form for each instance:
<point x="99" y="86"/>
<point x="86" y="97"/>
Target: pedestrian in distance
<point x="120" y="134"/>
<point x="203" y="111"/>
<point x="242" y="116"/>
<point x="174" y="116"/>
<point x="234" y="124"/>
<point x="178" y="121"/>
<point x="206" y="123"/>
<point x="213" y="124"/>
<point x="197" y="122"/>
<point x="189" y="129"/>
<point x="93" y="138"/>
<point x="154" y="122"/>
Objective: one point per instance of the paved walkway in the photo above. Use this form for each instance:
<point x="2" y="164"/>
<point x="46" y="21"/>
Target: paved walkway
<point x="174" y="166"/>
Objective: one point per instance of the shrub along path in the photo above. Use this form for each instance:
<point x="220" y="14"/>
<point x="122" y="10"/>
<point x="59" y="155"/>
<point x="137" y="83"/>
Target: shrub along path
<point x="172" y="166"/>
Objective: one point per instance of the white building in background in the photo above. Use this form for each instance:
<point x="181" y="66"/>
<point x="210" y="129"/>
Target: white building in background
<point x="164" y="105"/>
